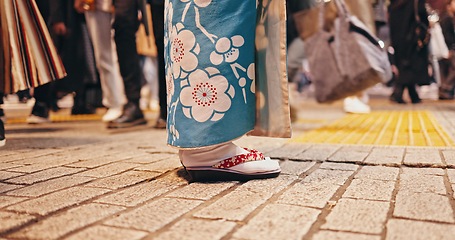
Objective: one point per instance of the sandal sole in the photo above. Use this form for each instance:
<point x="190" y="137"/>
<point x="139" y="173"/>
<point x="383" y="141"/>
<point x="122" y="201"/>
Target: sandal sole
<point x="216" y="175"/>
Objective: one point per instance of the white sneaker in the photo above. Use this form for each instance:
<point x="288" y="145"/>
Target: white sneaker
<point x="33" y="119"/>
<point x="112" y="113"/>
<point x="354" y="105"/>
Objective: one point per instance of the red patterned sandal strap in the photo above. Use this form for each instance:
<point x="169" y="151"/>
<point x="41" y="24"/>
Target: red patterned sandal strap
<point x="253" y="155"/>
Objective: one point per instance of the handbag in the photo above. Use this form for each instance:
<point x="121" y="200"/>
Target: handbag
<point x="438" y="46"/>
<point x="345" y="60"/>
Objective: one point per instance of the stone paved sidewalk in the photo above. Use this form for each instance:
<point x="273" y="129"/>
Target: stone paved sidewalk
<point x="80" y="181"/>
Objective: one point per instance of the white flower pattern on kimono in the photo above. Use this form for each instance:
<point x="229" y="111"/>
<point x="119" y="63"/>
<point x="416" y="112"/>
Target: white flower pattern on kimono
<point x="183" y="43"/>
<point x="199" y="3"/>
<point x="206" y="96"/>
<point x="227" y="50"/>
<point x="168" y="18"/>
<point x="170" y="88"/>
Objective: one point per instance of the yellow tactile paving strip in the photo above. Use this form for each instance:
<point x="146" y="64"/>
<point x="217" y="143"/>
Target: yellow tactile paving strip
<point x="402" y="128"/>
<point x="59" y="118"/>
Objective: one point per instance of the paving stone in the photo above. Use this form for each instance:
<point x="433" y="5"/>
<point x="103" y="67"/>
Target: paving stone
<point x="239" y="203"/>
<point x="135" y="195"/>
<point x="201" y="191"/>
<point x="8" y="200"/>
<point x="337" y="177"/>
<point x="392" y="156"/>
<point x="58" y="225"/>
<point x="423" y="206"/>
<point x="279" y="221"/>
<point x="317" y="152"/>
<point x="378" y="173"/>
<point x="95" y="162"/>
<point x="108" y="170"/>
<point x="325" y="235"/>
<point x="369" y="189"/>
<point x="338" y="166"/>
<point x="451" y="174"/>
<point x="288" y="151"/>
<point x="309" y="194"/>
<point x="151" y="157"/>
<point x="46" y="187"/>
<point x="58" y="200"/>
<point x="422" y="157"/>
<point x="362" y="216"/>
<point x="44" y="175"/>
<point x="162" y="166"/>
<point x="11" y="220"/>
<point x="423" y="171"/>
<point x="154" y="215"/>
<point x="316" y="189"/>
<point x="449" y="157"/>
<point x="197" y="229"/>
<point x="418" y="230"/>
<point x="351" y="154"/>
<point x="295" y="167"/>
<point x="123" y="180"/>
<point x="105" y="232"/>
<point x="8" y="165"/>
<point x="422" y="184"/>
<point x="5" y="187"/>
<point x="36" y="153"/>
<point x="7" y="175"/>
<point x="40" y="165"/>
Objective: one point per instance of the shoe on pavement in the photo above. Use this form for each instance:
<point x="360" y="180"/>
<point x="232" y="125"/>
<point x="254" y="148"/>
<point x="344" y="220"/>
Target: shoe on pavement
<point x="227" y="162"/>
<point x="160" y="123"/>
<point x="2" y="134"/>
<point x="131" y="116"/>
<point x="40" y="114"/>
<point x="2" y="115"/>
<point x="112" y="114"/>
<point x="354" y="105"/>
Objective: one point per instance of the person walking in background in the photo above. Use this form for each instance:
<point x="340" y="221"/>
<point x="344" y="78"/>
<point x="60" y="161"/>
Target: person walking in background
<point x="126" y="23"/>
<point x="223" y="80"/>
<point x="99" y="17"/>
<point x="447" y="66"/>
<point x="158" y="31"/>
<point x="410" y="48"/>
<point x="67" y="28"/>
<point x="364" y="11"/>
<point x="28" y="56"/>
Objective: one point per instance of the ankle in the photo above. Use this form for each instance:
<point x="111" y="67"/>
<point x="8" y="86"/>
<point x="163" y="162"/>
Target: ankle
<point x="209" y="156"/>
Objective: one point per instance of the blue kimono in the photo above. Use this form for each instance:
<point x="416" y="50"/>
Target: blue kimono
<point x="225" y="71"/>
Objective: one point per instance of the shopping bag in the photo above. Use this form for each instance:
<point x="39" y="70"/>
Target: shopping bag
<point x="346" y="59"/>
<point x="438" y="46"/>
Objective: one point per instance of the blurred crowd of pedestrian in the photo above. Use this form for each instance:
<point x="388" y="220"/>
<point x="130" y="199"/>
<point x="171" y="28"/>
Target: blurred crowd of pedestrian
<point x="112" y="65"/>
<point x="415" y="65"/>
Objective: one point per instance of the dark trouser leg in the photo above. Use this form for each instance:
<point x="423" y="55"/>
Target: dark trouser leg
<point x="158" y="31"/>
<point x="126" y="25"/>
<point x="397" y="95"/>
<point x="413" y="93"/>
<point x="447" y="69"/>
<point x="42" y="96"/>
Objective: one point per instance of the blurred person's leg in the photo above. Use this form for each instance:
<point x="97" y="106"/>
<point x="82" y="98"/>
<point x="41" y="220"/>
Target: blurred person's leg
<point x="158" y="31"/>
<point x="125" y="25"/>
<point x="99" y="26"/>
<point x="447" y="73"/>
<point x="40" y="111"/>
<point x="397" y="94"/>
